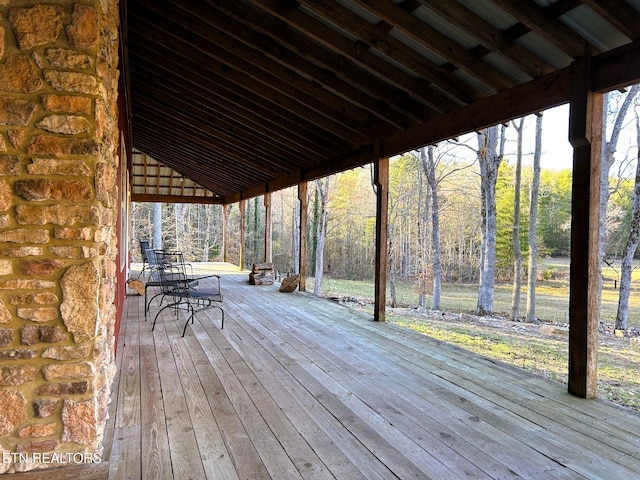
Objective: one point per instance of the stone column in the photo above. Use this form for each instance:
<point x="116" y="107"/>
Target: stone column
<point x="58" y="212"/>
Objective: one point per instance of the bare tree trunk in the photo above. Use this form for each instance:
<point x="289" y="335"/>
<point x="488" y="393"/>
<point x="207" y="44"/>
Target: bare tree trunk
<point x="423" y="232"/>
<point x="430" y="172"/>
<point x="483" y="230"/>
<point x="296" y="237"/>
<point x="256" y="225"/>
<point x="207" y="234"/>
<point x="609" y="150"/>
<point x="489" y="160"/>
<point x="315" y="221"/>
<point x="533" y="222"/>
<point x="630" y="247"/>
<point x="180" y="210"/>
<point x="322" y="189"/>
<point x="392" y="263"/>
<point x="157" y="226"/>
<point x="517" y="251"/>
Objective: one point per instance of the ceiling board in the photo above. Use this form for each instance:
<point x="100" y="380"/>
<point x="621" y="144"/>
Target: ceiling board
<point x="246" y="96"/>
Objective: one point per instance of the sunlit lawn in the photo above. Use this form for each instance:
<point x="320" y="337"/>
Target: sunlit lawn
<point x="552" y="296"/>
<point x="552" y="301"/>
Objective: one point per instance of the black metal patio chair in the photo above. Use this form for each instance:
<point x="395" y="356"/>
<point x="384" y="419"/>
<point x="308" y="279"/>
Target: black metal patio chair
<point x="144" y="246"/>
<point x="174" y="262"/>
<point x="186" y="293"/>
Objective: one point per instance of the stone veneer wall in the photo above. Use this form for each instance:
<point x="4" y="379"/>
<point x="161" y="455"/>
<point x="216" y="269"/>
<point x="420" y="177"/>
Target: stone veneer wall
<point x="58" y="213"/>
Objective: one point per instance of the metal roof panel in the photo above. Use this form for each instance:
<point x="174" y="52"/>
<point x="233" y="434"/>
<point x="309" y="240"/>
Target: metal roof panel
<point x="594" y="28"/>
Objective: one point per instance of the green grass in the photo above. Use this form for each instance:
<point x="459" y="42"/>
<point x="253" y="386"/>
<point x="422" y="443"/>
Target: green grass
<point x="552" y="296"/>
<point x="519" y="350"/>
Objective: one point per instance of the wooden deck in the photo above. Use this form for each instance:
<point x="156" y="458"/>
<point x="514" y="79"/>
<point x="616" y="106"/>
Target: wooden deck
<point x="300" y="387"/>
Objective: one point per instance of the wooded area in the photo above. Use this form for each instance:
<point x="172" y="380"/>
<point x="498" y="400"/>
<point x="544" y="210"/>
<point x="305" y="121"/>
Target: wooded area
<point x="438" y="211"/>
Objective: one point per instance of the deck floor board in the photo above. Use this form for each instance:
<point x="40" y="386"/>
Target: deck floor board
<point x="296" y="386"/>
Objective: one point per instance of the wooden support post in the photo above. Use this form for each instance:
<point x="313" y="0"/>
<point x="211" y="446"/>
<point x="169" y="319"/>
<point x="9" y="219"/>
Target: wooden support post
<point x="267" y="228"/>
<point x="381" y="182"/>
<point x="225" y="231"/>
<point x="302" y="260"/>
<point x="585" y="135"/>
<point x="243" y="232"/>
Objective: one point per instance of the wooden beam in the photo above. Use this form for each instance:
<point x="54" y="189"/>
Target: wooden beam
<point x="431" y="39"/>
<point x="340" y="163"/>
<point x="302" y="260"/>
<point x="243" y="234"/>
<point x="531" y="97"/>
<point x="151" y="198"/>
<point x="224" y="94"/>
<point x="186" y="152"/>
<point x="297" y="94"/>
<point x="352" y="50"/>
<point x="215" y="138"/>
<point x="293" y="61"/>
<point x="325" y="59"/>
<point x="381" y="182"/>
<point x="532" y="15"/>
<point x="489" y="36"/>
<point x="617" y="68"/>
<point x="273" y="186"/>
<point x="611" y="70"/>
<point x="267" y="227"/>
<point x="562" y="7"/>
<point x="184" y="156"/>
<point x="370" y="34"/>
<point x="201" y="118"/>
<point x="585" y="134"/>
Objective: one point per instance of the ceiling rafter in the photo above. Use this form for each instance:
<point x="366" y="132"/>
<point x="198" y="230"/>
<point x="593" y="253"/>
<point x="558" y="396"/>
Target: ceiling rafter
<point x="195" y="199"/>
<point x="377" y="39"/>
<point x="191" y="160"/>
<point x="210" y="123"/>
<point x="244" y="97"/>
<point x="300" y="65"/>
<point x="255" y="66"/>
<point x="194" y="141"/>
<point x="547" y="26"/>
<point x="491" y="37"/>
<point x="561" y="7"/>
<point x="619" y="14"/>
<point x="271" y="92"/>
<point x="287" y="38"/>
<point x="241" y="103"/>
<point x="432" y="39"/>
<point x="215" y="139"/>
<point x="356" y="52"/>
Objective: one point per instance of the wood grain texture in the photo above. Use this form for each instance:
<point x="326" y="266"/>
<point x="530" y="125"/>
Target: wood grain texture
<point x="305" y="388"/>
<point x="381" y="181"/>
<point x="585" y="134"/>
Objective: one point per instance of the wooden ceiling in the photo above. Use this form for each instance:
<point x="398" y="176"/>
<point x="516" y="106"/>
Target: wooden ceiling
<point x="249" y="96"/>
<point x="152" y="181"/>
